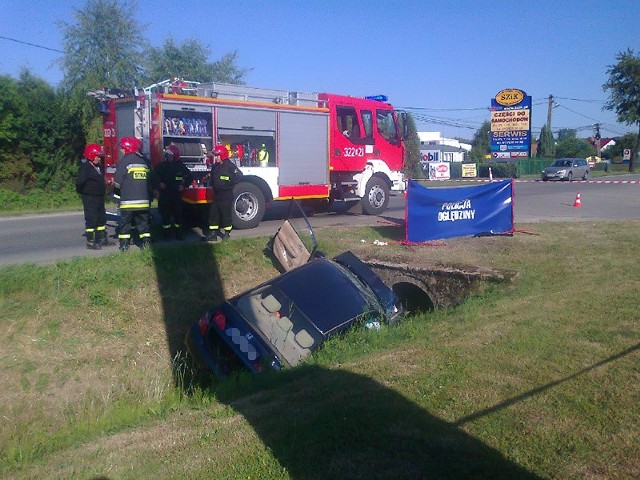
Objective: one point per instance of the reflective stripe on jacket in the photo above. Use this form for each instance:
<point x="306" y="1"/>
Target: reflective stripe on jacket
<point x="132" y="177"/>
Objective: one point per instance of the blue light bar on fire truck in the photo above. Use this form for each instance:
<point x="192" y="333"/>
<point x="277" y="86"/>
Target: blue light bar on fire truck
<point x="378" y="98"/>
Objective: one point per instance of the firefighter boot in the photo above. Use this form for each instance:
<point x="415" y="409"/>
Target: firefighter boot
<point x="103" y="239"/>
<point x="124" y="244"/>
<point x="92" y="244"/>
<point x="224" y="235"/>
<point x="212" y="236"/>
<point x="179" y="233"/>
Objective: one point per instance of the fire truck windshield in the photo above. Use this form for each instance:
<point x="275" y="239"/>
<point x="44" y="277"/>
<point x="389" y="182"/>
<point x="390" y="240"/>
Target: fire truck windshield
<point x="387" y="125"/>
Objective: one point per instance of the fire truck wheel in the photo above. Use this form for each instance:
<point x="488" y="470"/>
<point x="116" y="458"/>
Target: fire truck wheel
<point x="249" y="206"/>
<point x="376" y="196"/>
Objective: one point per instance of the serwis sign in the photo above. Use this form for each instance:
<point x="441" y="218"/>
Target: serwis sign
<point x="510" y="124"/>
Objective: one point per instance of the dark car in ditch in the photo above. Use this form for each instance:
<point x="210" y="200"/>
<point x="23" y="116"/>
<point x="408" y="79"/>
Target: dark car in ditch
<point x="280" y="323"/>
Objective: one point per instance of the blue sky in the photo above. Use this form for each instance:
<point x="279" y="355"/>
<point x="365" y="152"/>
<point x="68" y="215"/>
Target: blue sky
<point x="445" y="60"/>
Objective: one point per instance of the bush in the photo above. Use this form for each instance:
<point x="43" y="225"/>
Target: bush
<point x="455" y="170"/>
<point x="498" y="170"/>
<point x="601" y="167"/>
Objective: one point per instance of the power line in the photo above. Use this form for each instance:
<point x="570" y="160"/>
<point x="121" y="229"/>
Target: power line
<point x="580" y="100"/>
<point x="577" y="113"/>
<point x="445" y="109"/>
<point x="30" y="44"/>
<point x="423" y="115"/>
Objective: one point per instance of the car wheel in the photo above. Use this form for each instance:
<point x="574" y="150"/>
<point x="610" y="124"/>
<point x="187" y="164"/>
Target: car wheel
<point x="248" y="206"/>
<point x="376" y="196"/>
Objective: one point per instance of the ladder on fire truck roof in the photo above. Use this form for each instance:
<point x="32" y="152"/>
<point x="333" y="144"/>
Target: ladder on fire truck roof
<point x="234" y="92"/>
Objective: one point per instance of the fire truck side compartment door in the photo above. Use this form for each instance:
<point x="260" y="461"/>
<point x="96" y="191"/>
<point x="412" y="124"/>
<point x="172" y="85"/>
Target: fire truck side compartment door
<point x="240" y="119"/>
<point x="304" y="148"/>
<point x="125" y="113"/>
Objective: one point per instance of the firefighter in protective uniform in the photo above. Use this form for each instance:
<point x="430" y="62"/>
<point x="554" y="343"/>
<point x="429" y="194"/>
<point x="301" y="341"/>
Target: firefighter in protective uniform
<point x="170" y="178"/>
<point x="90" y="185"/>
<point x="224" y="175"/>
<point x="263" y="156"/>
<point x="132" y="178"/>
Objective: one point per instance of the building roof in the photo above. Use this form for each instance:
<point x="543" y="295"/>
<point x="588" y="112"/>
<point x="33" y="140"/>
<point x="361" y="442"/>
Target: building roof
<point x="442" y="148"/>
<point x="436" y="138"/>
<point x="605" y="142"/>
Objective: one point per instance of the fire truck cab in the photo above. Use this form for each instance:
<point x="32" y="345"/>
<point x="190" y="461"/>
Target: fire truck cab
<point x="289" y="145"/>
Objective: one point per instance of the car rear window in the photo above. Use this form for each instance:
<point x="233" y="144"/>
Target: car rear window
<point x="328" y="295"/>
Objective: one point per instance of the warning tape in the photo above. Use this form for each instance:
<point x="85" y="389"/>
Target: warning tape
<point x="540" y="181"/>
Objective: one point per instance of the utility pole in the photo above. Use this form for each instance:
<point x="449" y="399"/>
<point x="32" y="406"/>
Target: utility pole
<point x="549" y="108"/>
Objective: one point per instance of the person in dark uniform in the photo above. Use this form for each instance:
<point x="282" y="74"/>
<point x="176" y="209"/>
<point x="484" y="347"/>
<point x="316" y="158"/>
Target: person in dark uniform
<point x="170" y="178"/>
<point x="224" y="175"/>
<point x="132" y="178"/>
<point x="90" y="185"/>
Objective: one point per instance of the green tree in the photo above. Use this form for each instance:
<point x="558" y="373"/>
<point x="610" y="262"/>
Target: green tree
<point x="624" y="90"/>
<point x="15" y="170"/>
<point x="190" y="61"/>
<point x="547" y="144"/>
<point x="225" y="69"/>
<point x="11" y="110"/>
<point x="616" y="152"/>
<point x="480" y="145"/>
<point x="570" y="146"/>
<point x="50" y="137"/>
<point x="38" y="137"/>
<point x="412" y="166"/>
<point x="103" y="47"/>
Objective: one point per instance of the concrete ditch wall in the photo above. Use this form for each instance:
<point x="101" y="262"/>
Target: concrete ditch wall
<point x="445" y="285"/>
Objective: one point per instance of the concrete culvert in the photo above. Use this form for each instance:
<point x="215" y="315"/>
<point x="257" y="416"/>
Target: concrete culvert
<point x="430" y="287"/>
<point x="414" y="299"/>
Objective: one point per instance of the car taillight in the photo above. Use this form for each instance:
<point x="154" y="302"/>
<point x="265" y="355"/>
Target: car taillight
<point x="203" y="323"/>
<point x="220" y="320"/>
<point x="257" y="366"/>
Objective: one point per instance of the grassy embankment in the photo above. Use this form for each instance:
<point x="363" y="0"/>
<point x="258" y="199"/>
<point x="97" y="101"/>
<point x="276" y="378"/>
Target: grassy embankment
<point x="538" y="379"/>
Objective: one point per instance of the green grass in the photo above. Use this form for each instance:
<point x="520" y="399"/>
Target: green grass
<point x="38" y="201"/>
<point x="535" y="379"/>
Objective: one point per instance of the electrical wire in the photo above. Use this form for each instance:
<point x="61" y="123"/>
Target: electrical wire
<point x="31" y="44"/>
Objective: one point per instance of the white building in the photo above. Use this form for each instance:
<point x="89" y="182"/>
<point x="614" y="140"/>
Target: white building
<point x="436" y="148"/>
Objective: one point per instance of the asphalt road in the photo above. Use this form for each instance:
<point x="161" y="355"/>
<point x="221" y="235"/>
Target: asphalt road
<point x="46" y="238"/>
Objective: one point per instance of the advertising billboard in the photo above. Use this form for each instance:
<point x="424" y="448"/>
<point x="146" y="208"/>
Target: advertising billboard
<point x="439" y="170"/>
<point x="510" y="124"/>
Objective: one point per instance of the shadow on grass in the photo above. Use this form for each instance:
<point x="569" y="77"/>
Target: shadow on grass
<point x="543" y="388"/>
<point x="323" y="424"/>
<point x="189" y="284"/>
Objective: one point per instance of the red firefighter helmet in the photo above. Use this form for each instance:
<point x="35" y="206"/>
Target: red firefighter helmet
<point x="130" y="144"/>
<point x="173" y="151"/>
<point x="222" y="151"/>
<point x="92" y="151"/>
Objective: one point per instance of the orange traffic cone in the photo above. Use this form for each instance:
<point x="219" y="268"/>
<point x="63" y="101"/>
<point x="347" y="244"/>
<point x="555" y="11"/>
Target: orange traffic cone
<point x="577" y="202"/>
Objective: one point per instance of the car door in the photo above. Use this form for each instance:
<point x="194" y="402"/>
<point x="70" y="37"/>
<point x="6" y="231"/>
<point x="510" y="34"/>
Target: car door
<point x="579" y="168"/>
<point x="575" y="169"/>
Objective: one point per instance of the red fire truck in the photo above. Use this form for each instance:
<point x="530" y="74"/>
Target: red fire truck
<point x="289" y="145"/>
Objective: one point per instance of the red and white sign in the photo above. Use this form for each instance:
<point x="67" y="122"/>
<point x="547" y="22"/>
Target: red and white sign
<point x="439" y="171"/>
